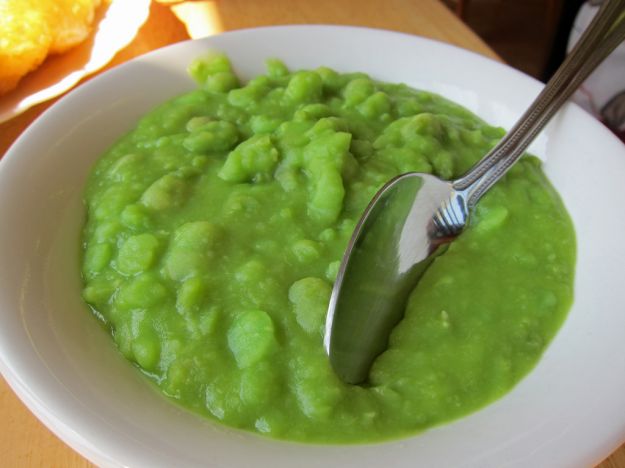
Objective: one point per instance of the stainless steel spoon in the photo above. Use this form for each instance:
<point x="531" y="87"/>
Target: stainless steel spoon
<point x="414" y="216"/>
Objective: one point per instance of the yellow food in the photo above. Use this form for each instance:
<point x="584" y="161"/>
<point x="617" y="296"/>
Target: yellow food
<point x="32" y="29"/>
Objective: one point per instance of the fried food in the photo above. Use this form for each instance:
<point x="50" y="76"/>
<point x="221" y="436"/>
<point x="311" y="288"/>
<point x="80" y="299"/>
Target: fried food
<point x="32" y="29"/>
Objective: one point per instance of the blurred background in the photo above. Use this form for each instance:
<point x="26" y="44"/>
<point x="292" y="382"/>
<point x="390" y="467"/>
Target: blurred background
<point x="534" y="36"/>
<point x="530" y="35"/>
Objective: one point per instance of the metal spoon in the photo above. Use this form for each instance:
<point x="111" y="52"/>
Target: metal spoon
<point x="414" y="216"/>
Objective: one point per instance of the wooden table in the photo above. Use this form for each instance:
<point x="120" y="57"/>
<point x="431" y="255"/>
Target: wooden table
<point x="24" y="441"/>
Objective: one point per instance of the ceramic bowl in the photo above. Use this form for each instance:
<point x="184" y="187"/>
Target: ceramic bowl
<point x="569" y="411"/>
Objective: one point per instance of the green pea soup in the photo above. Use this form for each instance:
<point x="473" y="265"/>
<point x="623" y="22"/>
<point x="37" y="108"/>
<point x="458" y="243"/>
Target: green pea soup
<point x="216" y="227"/>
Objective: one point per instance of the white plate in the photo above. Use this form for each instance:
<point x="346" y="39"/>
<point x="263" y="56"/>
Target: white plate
<point x="570" y="411"/>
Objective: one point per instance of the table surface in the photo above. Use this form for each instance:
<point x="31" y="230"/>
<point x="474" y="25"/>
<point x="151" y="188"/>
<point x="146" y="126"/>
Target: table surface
<point x="25" y="441"/>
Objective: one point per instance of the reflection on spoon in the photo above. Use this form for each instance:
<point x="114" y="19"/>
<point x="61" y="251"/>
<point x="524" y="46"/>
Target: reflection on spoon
<point x="394" y="243"/>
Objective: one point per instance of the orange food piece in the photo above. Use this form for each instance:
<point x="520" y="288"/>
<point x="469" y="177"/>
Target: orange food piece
<point x="32" y="29"/>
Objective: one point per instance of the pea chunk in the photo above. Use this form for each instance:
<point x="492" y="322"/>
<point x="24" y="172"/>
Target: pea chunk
<point x="251" y="337"/>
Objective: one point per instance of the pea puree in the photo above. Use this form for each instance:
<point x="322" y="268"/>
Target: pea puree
<point x="215" y="229"/>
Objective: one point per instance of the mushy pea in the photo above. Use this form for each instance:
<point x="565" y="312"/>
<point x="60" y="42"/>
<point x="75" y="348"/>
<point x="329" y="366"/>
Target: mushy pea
<point x="216" y="227"/>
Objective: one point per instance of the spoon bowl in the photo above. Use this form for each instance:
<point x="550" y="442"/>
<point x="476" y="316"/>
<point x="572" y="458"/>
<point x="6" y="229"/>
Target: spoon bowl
<point x="407" y="224"/>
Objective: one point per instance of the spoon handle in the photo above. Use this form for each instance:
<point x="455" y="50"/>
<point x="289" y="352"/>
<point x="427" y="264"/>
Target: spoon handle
<point x="604" y="34"/>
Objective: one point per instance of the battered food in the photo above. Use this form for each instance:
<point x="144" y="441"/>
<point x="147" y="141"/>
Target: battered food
<point x="30" y="30"/>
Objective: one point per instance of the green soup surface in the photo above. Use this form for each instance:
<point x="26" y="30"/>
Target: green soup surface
<point x="216" y="227"/>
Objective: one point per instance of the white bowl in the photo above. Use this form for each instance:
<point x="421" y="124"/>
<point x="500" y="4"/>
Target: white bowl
<point x="569" y="411"/>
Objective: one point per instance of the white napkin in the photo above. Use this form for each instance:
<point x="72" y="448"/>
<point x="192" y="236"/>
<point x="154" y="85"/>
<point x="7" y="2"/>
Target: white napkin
<point x="603" y="92"/>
